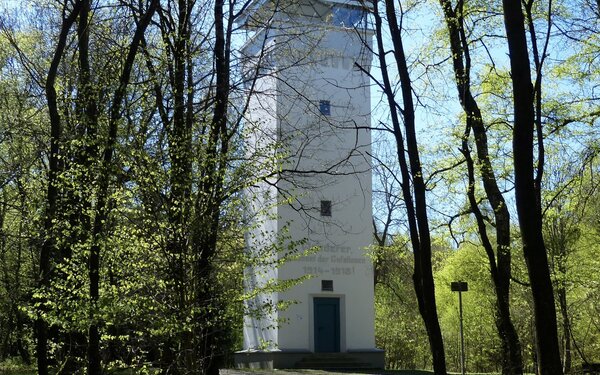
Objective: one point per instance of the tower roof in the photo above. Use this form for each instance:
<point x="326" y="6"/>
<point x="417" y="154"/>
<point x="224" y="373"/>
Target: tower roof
<point x="255" y="7"/>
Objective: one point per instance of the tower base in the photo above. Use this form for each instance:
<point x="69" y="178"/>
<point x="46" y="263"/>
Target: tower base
<point x="281" y="359"/>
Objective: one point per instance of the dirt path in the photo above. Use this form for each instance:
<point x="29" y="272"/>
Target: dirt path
<point x="320" y="372"/>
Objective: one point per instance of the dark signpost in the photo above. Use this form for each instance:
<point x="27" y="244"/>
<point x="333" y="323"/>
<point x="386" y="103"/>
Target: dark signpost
<point x="460" y="286"/>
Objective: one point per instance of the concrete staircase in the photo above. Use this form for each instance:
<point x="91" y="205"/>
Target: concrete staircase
<point x="331" y="361"/>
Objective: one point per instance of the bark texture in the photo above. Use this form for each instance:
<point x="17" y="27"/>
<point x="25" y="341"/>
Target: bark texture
<point x="526" y="194"/>
<point x="104" y="179"/>
<point x="415" y="198"/>
<point x="500" y="259"/>
<point x="48" y="248"/>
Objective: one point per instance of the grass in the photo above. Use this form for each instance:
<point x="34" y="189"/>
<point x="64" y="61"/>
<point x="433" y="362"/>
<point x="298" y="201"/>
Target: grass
<point x="14" y="366"/>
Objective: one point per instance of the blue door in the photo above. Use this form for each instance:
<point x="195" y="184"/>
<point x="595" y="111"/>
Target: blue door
<point x="327" y="325"/>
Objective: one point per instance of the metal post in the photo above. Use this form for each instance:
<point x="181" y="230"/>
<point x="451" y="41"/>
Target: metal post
<point x="460" y="286"/>
<point x="462" y="337"/>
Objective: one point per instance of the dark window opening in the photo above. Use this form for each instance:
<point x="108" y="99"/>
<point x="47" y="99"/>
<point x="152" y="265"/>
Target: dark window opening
<point x="325" y="208"/>
<point x="325" y="107"/>
<point x="327" y="285"/>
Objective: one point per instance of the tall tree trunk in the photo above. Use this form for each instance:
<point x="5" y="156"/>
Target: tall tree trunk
<point x="20" y="316"/>
<point x="560" y="233"/>
<point x="94" y="360"/>
<point x="526" y="195"/>
<point x="87" y="111"/>
<point x="176" y="34"/>
<point x="500" y="261"/>
<point x="511" y="350"/>
<point x="564" y="313"/>
<point x="411" y="171"/>
<point x="48" y="248"/>
<point x="209" y="200"/>
<point x="179" y="133"/>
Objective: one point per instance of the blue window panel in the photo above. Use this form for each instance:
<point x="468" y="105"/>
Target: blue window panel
<point x="325" y="107"/>
<point x="348" y="17"/>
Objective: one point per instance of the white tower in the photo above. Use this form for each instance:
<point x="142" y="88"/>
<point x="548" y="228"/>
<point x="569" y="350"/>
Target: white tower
<point x="310" y="108"/>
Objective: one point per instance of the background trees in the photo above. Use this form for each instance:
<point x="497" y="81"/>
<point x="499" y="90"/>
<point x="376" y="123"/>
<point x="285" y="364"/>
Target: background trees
<point x="142" y="176"/>
<point x="122" y="159"/>
<point x="482" y="77"/>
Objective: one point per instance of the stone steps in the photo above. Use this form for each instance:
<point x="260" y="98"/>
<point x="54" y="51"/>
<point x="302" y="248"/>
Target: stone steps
<point x="331" y="361"/>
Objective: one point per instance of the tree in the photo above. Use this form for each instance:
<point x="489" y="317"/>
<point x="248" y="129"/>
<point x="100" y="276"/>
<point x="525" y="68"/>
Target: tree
<point x="55" y="249"/>
<point x="527" y="189"/>
<point x="202" y="128"/>
<point x="570" y="188"/>
<point x="386" y="206"/>
<point x="499" y="257"/>
<point x="398" y="327"/>
<point x="19" y="219"/>
<point x="412" y="180"/>
<point x="48" y="248"/>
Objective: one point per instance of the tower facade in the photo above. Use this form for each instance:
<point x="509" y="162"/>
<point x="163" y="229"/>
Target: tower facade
<point x="309" y="109"/>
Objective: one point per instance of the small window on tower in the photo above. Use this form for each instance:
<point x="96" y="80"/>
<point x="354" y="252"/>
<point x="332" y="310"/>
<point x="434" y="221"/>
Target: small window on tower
<point x="325" y="208"/>
<point x="325" y="107"/>
<point x="327" y="285"/>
